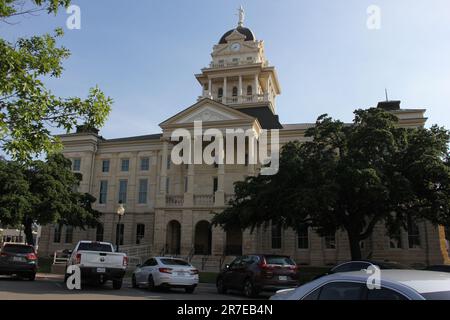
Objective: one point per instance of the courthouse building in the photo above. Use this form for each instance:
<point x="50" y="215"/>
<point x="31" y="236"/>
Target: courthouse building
<point x="168" y="207"/>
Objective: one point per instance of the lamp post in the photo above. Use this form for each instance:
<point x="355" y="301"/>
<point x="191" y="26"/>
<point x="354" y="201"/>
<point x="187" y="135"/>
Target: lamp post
<point x="120" y="212"/>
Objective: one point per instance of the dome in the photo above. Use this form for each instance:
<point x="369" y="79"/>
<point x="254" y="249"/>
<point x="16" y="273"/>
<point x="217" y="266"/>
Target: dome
<point x="249" y="36"/>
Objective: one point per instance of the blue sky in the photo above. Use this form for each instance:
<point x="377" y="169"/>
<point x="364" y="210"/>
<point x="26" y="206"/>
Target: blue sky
<point x="144" y="54"/>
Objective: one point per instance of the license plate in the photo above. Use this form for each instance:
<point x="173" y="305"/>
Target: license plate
<point x="282" y="278"/>
<point x="18" y="259"/>
<point x="101" y="270"/>
<point x="181" y="273"/>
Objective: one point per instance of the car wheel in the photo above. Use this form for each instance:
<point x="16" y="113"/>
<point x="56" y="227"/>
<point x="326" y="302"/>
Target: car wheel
<point x="151" y="283"/>
<point x="32" y="277"/>
<point x="190" y="289"/>
<point x="249" y="289"/>
<point x="117" y="284"/>
<point x="133" y="282"/>
<point x="221" y="286"/>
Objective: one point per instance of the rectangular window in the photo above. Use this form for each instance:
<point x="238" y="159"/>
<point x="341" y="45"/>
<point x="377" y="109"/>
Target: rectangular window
<point x="215" y="184"/>
<point x="413" y="234"/>
<point x="76" y="165"/>
<point x="99" y="233"/>
<point x="103" y="192"/>
<point x="330" y="241"/>
<point x="145" y="164"/>
<point x="167" y="185"/>
<point x="169" y="161"/>
<point x="276" y="236"/>
<point x="120" y="228"/>
<point x="186" y="181"/>
<point x="303" y="237"/>
<point x="143" y="186"/>
<point x="57" y="234"/>
<point x="125" y="165"/>
<point x="105" y="166"/>
<point x="395" y="241"/>
<point x="140" y="232"/>
<point x="123" y="185"/>
<point x="69" y="234"/>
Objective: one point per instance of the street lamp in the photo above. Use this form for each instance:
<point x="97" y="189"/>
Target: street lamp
<point x="120" y="212"/>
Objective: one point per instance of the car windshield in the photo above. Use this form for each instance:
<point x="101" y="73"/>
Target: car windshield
<point x="442" y="295"/>
<point x="277" y="260"/>
<point x="174" y="262"/>
<point x="95" y="246"/>
<point x="14" y="248"/>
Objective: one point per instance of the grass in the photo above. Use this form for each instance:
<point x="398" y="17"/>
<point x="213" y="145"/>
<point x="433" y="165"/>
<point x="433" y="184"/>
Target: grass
<point x="208" y="277"/>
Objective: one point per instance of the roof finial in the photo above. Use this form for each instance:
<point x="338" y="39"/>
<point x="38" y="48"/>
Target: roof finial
<point x="387" y="98"/>
<point x="241" y="16"/>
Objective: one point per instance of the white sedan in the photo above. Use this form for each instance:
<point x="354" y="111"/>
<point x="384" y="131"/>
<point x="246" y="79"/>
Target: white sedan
<point x="393" y="285"/>
<point x="166" y="272"/>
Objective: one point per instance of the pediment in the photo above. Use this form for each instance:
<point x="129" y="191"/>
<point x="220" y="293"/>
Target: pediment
<point x="207" y="110"/>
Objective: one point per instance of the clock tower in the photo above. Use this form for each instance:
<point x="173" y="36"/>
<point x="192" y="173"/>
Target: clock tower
<point x="239" y="74"/>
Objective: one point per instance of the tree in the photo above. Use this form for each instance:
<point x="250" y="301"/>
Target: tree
<point x="43" y="193"/>
<point x="28" y="110"/>
<point x="351" y="178"/>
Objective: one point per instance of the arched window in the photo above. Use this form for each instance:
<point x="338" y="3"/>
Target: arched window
<point x="276" y="236"/>
<point x="99" y="233"/>
<point x="220" y="93"/>
<point x="249" y="90"/>
<point x="235" y="91"/>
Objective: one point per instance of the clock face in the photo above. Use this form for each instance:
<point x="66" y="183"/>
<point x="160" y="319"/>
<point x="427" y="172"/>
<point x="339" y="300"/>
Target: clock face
<point x="235" y="46"/>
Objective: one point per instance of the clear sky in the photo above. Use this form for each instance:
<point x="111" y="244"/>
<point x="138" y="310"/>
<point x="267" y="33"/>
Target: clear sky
<point x="144" y="54"/>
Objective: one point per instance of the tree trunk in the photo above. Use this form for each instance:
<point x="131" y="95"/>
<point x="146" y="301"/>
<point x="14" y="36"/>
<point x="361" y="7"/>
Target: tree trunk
<point x="355" y="249"/>
<point x="28" y="230"/>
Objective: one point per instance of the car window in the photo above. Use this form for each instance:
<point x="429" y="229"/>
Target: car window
<point x="236" y="262"/>
<point x="174" y="262"/>
<point x="14" y="248"/>
<point x="277" y="260"/>
<point x="147" y="263"/>
<point x="384" y="294"/>
<point x="351" y="266"/>
<point x="342" y="291"/>
<point x="153" y="262"/>
<point x="442" y="295"/>
<point x="94" y="246"/>
<point x="313" y="295"/>
<point x="247" y="260"/>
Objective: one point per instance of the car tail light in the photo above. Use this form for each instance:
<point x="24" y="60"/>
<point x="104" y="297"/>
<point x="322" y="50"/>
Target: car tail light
<point x="194" y="271"/>
<point x="165" y="270"/>
<point x="3" y="254"/>
<point x="31" y="256"/>
<point x="78" y="258"/>
<point x="125" y="261"/>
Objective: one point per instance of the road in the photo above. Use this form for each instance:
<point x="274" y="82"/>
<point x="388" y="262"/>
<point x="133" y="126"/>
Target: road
<point x="50" y="287"/>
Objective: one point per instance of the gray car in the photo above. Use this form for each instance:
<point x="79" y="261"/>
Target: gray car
<point x="395" y="285"/>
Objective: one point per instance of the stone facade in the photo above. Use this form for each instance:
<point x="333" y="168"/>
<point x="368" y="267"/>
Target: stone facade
<point x="168" y="206"/>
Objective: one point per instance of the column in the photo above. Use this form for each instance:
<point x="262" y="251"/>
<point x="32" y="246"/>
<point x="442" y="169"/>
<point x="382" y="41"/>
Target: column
<point x="220" y="193"/>
<point x="240" y="90"/>
<point x="256" y="90"/>
<point x="164" y="167"/>
<point x="210" y="89"/>
<point x="267" y="95"/>
<point x="189" y="195"/>
<point x="224" y="97"/>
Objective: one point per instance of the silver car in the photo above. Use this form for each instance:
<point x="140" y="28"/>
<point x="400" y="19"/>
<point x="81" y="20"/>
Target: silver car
<point x="394" y="285"/>
<point x="166" y="272"/>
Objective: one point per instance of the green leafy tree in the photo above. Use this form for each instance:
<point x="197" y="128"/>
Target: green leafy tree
<point x="28" y="110"/>
<point x="43" y="192"/>
<point x="351" y="177"/>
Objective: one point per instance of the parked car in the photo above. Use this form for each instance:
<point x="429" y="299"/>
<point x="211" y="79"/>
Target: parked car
<point x="166" y="272"/>
<point x="439" y="268"/>
<point x="358" y="265"/>
<point x="253" y="274"/>
<point x="18" y="259"/>
<point x="99" y="262"/>
<point x="395" y="285"/>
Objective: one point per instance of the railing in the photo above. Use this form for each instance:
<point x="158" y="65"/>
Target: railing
<point x="144" y="250"/>
<point x="60" y="257"/>
<point x="204" y="200"/>
<point x="191" y="254"/>
<point x="237" y="63"/>
<point x="174" y="200"/>
<point x="204" y="260"/>
<point x="240" y="99"/>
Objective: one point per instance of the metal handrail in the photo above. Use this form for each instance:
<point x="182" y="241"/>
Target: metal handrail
<point x="57" y="260"/>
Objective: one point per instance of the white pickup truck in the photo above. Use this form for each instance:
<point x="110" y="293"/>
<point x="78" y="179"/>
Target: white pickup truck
<point x="98" y="262"/>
